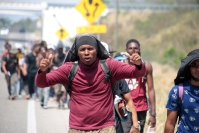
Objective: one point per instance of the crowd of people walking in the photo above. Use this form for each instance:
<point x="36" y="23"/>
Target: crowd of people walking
<point x="20" y="71"/>
<point x="108" y="94"/>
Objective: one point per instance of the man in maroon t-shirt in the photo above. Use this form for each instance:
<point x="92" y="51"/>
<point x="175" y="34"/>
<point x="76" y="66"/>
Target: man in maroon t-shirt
<point x="91" y="105"/>
<point x="138" y="91"/>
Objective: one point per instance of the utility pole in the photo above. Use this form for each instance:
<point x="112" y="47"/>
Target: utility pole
<point x="116" y="23"/>
<point x="61" y="31"/>
<point x="98" y="22"/>
<point x="57" y="20"/>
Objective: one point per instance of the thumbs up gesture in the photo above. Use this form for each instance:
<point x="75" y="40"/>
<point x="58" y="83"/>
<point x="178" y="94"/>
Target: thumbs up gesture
<point x="45" y="61"/>
<point x="134" y="59"/>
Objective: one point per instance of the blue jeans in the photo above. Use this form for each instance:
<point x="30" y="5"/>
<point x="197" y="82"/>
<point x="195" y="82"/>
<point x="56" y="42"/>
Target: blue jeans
<point x="43" y="95"/>
<point x="16" y="84"/>
<point x="21" y="85"/>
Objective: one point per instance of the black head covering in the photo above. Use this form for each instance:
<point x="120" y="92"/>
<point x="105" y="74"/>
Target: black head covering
<point x="86" y="40"/>
<point x="183" y="72"/>
<point x="72" y="55"/>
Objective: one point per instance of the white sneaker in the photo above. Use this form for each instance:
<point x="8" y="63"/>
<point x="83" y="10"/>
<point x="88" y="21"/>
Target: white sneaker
<point x="45" y="107"/>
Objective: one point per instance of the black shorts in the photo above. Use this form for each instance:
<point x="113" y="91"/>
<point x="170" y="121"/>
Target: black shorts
<point x="141" y="117"/>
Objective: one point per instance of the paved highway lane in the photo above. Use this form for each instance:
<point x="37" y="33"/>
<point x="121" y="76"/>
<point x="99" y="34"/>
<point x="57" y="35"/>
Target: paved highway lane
<point x="26" y="116"/>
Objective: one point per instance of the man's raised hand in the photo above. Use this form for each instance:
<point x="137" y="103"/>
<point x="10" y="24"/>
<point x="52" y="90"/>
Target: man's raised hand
<point x="45" y="61"/>
<point x="134" y="59"/>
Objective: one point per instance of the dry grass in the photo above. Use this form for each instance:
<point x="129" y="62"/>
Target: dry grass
<point x="163" y="81"/>
<point x="157" y="32"/>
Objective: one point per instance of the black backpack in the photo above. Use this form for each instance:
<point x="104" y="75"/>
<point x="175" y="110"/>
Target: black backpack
<point x="74" y="68"/>
<point x="7" y="57"/>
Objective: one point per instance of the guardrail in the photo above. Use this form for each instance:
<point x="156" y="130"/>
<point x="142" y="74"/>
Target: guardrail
<point x="155" y="6"/>
<point x="122" y="5"/>
<point x="139" y="6"/>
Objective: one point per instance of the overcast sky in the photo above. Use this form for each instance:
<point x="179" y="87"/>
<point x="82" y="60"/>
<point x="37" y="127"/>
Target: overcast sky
<point x="48" y="1"/>
<point x="15" y="17"/>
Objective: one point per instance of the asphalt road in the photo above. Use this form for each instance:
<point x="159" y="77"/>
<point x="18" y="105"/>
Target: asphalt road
<point x="26" y="116"/>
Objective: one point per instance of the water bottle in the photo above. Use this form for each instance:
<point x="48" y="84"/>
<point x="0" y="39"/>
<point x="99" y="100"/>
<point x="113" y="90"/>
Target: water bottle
<point x="151" y="130"/>
<point x="9" y="73"/>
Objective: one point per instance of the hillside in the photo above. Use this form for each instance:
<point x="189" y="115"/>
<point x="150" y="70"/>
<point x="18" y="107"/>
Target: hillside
<point x="165" y="36"/>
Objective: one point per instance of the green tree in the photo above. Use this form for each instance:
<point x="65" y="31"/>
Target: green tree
<point x="5" y="23"/>
<point x="24" y="25"/>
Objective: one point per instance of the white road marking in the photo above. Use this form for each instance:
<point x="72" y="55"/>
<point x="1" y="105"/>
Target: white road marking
<point x="31" y="117"/>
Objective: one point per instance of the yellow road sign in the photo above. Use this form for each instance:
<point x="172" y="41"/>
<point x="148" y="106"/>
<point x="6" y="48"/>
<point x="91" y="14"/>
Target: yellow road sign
<point x="91" y="9"/>
<point x="62" y="33"/>
<point x="93" y="29"/>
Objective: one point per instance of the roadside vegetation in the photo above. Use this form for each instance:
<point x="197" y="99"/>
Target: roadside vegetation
<point x="165" y="37"/>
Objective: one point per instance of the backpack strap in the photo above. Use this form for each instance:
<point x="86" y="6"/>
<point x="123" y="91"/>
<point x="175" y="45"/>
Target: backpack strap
<point x="180" y="92"/>
<point x="106" y="70"/>
<point x="71" y="76"/>
<point x="107" y="74"/>
<point x="73" y="71"/>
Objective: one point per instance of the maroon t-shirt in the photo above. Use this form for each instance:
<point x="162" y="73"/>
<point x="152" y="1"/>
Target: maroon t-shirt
<point x="137" y="88"/>
<point x="91" y="104"/>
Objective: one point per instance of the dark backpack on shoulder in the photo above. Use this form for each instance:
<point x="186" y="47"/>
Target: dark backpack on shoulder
<point x="7" y="57"/>
<point x="74" y="68"/>
<point x="73" y="71"/>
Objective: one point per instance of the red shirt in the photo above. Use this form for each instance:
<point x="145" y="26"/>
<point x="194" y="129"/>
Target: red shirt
<point x="137" y="88"/>
<point x="91" y="104"/>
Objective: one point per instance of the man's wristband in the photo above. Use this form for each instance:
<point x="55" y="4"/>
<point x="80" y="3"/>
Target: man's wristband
<point x="153" y="115"/>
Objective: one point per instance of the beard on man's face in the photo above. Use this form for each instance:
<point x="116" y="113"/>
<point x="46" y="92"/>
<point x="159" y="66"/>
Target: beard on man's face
<point x="194" y="78"/>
